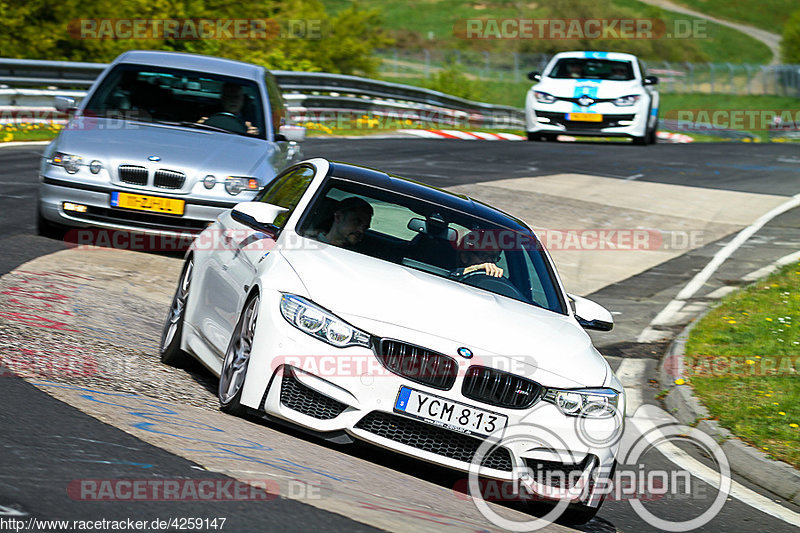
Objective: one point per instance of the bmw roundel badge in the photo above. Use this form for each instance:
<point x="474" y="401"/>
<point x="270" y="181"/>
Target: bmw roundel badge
<point x="154" y="158"/>
<point x="466" y="353"/>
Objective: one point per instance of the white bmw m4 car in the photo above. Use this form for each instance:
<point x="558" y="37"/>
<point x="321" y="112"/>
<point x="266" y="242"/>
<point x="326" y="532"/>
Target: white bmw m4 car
<point x="356" y="304"/>
<point x="598" y="94"/>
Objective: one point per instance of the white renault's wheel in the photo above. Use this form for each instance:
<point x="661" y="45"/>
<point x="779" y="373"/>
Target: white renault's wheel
<point x="237" y="357"/>
<point x="171" y="353"/>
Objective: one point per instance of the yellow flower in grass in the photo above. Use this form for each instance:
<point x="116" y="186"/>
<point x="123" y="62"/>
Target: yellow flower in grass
<point x="781" y="413"/>
<point x="775" y="403"/>
<point x="750" y="362"/>
<point x="793" y="425"/>
<point x="731" y="322"/>
<point x="768" y="319"/>
<point x="7" y="137"/>
<point x="680" y="381"/>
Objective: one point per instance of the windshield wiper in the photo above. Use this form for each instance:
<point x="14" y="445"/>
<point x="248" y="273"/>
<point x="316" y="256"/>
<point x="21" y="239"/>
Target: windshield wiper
<point x="197" y="125"/>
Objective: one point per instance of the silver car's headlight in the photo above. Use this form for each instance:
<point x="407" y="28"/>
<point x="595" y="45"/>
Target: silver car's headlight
<point x="236" y="184"/>
<point x="543" y="97"/>
<point x="592" y="403"/>
<point x="625" y="101"/>
<point x="321" y="324"/>
<point x="71" y="163"/>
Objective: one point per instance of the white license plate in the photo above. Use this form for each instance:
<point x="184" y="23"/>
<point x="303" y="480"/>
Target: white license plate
<point x="447" y="413"/>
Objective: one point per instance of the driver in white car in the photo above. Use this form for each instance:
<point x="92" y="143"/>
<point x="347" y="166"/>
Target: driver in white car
<point x="477" y="253"/>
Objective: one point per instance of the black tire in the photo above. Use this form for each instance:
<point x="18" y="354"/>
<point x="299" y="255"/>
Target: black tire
<point x="543" y="137"/>
<point x="45" y="228"/>
<point x="237" y="358"/>
<point x="170" y="347"/>
<point x="640" y="141"/>
<point x="652" y="137"/>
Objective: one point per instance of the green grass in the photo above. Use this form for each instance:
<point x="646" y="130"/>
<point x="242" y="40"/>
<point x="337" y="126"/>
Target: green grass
<point x="429" y="24"/>
<point x="28" y="132"/>
<point x="769" y="15"/>
<point x="744" y="359"/>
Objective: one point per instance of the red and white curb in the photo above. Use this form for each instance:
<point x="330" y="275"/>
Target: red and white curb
<point x="466" y="135"/>
<point x="482" y="135"/>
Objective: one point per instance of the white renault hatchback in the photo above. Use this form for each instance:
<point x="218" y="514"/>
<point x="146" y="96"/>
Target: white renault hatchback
<point x="598" y="94"/>
<point x="361" y="305"/>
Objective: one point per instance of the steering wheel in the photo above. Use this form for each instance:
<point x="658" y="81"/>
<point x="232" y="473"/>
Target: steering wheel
<point x="227" y="121"/>
<point x="501" y="286"/>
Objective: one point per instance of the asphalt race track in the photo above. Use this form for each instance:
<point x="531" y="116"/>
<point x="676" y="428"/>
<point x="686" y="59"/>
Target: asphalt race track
<point x="133" y="419"/>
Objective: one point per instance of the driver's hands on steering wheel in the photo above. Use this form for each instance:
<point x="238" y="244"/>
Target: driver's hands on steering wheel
<point x="490" y="269"/>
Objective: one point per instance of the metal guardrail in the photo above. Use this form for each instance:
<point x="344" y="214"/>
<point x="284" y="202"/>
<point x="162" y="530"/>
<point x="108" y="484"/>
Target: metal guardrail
<point x="316" y="96"/>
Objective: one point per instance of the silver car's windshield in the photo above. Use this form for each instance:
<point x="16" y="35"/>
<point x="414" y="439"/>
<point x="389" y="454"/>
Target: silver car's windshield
<point x="432" y="238"/>
<point x="180" y="97"/>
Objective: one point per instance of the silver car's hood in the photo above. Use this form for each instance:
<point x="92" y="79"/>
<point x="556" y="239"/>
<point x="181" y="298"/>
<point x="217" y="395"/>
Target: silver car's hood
<point x="354" y="285"/>
<point x="114" y="143"/>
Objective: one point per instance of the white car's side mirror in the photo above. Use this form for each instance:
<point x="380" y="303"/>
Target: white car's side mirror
<point x="64" y="104"/>
<point x="591" y="315"/>
<point x="257" y="215"/>
<point x="292" y="133"/>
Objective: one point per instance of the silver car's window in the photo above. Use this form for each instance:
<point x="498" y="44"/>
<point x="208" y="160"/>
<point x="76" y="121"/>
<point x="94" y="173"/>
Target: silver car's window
<point x="180" y="97"/>
<point x="593" y="69"/>
<point x="434" y="239"/>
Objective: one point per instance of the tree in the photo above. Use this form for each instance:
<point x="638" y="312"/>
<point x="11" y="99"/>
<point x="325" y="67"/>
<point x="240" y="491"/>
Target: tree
<point x="790" y="44"/>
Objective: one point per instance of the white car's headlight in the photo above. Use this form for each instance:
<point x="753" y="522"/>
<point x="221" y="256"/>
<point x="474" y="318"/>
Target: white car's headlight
<point x="592" y="403"/>
<point x="625" y="101"/>
<point x="544" y="98"/>
<point x="71" y="163"/>
<point x="320" y="323"/>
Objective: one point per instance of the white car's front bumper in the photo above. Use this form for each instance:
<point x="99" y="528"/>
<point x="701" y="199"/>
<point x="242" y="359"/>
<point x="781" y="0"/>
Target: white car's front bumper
<point x="617" y="121"/>
<point x="324" y="389"/>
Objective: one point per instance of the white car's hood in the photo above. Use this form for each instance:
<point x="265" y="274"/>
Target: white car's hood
<point x="573" y="88"/>
<point x="353" y="285"/>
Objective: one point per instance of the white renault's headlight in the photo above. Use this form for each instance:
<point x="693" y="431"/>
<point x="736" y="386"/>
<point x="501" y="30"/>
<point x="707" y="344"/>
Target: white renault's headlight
<point x="592" y="403"/>
<point x="626" y="101"/>
<point x="543" y="97"/>
<point x="71" y="163"/>
<point x="320" y="323"/>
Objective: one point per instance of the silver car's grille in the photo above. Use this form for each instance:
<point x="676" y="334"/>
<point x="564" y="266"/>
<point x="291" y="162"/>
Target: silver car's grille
<point x="133" y="174"/>
<point x="169" y="179"/>
<point x="433" y="439"/>
<point x="417" y="364"/>
<point x="499" y="388"/>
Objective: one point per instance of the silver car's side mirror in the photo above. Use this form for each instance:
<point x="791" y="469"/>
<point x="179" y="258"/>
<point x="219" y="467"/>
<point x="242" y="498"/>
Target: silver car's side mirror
<point x="65" y="104"/>
<point x="591" y="315"/>
<point x="257" y="215"/>
<point x="292" y="133"/>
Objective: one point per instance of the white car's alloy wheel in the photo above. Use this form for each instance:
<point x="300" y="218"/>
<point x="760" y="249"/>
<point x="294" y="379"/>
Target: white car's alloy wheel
<point x="171" y="353"/>
<point x="234" y="368"/>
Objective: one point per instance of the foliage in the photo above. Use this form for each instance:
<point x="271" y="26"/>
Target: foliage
<point x="452" y="80"/>
<point x="790" y="45"/>
<point x="310" y="38"/>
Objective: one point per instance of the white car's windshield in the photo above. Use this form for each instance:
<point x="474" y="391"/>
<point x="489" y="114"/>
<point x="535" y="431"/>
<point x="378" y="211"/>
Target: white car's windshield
<point x="432" y="238"/>
<point x="180" y="97"/>
<point x="594" y="69"/>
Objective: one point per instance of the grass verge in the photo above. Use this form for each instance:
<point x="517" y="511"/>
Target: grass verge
<point x="743" y="359"/>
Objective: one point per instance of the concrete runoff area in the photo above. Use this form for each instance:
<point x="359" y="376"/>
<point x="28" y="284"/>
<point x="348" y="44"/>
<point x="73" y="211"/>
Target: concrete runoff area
<point x="571" y="211"/>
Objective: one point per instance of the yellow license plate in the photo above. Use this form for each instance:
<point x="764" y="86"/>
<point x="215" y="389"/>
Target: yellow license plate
<point x="585" y="117"/>
<point x="140" y="202"/>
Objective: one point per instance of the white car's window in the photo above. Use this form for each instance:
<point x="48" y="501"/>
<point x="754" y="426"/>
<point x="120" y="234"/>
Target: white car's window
<point x="593" y="69"/>
<point x="432" y="238"/>
<point x="286" y="191"/>
<point x="180" y="97"/>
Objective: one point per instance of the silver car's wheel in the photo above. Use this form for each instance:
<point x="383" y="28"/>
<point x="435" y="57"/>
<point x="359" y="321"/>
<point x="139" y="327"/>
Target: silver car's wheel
<point x="237" y="357"/>
<point x="171" y="353"/>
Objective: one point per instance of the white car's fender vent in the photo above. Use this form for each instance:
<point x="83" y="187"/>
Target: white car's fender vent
<point x="302" y="399"/>
<point x="499" y="388"/>
<point x="168" y="179"/>
<point x="559" y="475"/>
<point x="417" y="364"/>
<point x="433" y="439"/>
<point x="132" y="174"/>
